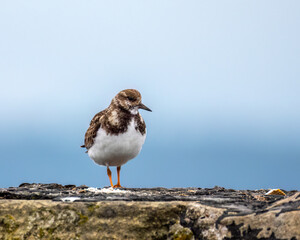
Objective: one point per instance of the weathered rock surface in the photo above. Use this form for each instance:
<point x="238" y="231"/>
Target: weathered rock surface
<point x="53" y="211"/>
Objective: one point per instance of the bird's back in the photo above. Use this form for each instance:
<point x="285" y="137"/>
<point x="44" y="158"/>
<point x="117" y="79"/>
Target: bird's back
<point x="91" y="133"/>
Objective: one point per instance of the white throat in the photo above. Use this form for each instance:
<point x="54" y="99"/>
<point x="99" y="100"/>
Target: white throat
<point x="134" y="111"/>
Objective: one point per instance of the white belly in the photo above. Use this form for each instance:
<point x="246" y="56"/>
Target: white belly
<point x="116" y="150"/>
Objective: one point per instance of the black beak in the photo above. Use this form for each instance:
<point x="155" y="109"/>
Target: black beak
<point x="142" y="106"/>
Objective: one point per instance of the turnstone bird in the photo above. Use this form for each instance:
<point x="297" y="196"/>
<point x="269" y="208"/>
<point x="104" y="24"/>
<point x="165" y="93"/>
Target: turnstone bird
<point x="117" y="134"/>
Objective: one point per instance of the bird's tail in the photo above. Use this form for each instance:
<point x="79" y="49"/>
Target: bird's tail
<point x="83" y="146"/>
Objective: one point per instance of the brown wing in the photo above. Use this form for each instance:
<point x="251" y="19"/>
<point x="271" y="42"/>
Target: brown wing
<point x="92" y="130"/>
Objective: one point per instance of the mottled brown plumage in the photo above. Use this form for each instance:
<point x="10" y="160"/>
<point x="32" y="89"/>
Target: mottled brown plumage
<point x="93" y="129"/>
<point x="116" y="118"/>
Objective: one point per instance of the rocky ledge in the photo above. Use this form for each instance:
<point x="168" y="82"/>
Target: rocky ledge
<point x="53" y="211"/>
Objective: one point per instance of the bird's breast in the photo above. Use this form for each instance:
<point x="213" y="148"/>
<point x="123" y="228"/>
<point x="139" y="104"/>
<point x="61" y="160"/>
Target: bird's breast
<point x="115" y="150"/>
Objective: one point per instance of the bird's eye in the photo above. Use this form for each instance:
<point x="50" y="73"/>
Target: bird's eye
<point x="131" y="99"/>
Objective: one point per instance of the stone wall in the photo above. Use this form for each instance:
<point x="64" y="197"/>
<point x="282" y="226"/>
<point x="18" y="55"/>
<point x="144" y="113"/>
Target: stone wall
<point x="52" y="211"/>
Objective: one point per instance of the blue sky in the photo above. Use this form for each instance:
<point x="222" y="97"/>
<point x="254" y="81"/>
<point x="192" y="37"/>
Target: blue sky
<point x="222" y="79"/>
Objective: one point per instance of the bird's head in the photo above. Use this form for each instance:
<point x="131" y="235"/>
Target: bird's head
<point x="129" y="100"/>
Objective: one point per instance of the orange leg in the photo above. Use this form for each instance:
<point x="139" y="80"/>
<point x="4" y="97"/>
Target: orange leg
<point x="109" y="175"/>
<point x="118" y="185"/>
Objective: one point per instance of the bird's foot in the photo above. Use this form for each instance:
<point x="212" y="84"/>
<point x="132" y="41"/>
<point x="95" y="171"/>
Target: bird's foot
<point x="117" y="186"/>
